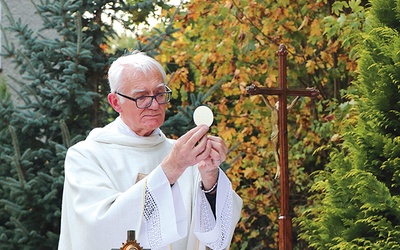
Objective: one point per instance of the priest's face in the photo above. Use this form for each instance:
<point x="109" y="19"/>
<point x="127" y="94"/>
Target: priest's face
<point x="142" y="120"/>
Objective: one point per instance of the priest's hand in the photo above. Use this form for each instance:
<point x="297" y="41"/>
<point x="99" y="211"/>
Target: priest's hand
<point x="208" y="168"/>
<point x="190" y="149"/>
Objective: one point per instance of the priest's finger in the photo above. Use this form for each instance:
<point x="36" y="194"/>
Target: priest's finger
<point x="203" y="155"/>
<point x="218" y="143"/>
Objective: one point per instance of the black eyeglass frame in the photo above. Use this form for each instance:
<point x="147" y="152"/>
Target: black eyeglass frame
<point x="153" y="97"/>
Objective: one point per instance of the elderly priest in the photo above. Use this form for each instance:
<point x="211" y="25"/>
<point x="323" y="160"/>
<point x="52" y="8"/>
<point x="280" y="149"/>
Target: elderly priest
<point x="129" y="176"/>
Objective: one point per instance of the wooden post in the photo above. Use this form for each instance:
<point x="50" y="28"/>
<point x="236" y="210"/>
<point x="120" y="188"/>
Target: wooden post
<point x="285" y="221"/>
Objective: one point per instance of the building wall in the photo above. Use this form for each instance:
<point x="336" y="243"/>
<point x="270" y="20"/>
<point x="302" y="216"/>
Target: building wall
<point x="26" y="11"/>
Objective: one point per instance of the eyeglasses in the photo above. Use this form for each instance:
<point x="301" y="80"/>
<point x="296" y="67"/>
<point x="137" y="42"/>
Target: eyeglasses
<point x="145" y="101"/>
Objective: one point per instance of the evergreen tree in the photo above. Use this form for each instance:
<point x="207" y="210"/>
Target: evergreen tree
<point x="357" y="197"/>
<point x="63" y="78"/>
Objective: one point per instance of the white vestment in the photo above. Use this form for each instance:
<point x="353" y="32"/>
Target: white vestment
<point x="114" y="183"/>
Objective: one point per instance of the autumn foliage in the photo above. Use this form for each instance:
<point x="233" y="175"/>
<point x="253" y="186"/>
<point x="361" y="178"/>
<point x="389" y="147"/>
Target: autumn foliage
<point x="232" y="44"/>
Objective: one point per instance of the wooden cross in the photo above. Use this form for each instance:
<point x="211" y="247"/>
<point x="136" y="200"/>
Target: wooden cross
<point x="285" y="221"/>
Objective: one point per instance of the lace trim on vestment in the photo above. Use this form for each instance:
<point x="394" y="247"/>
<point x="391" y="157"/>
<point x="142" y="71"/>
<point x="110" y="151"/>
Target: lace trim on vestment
<point x="207" y="218"/>
<point x="152" y="219"/>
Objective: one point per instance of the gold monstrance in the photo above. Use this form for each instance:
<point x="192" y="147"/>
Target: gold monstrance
<point x="130" y="243"/>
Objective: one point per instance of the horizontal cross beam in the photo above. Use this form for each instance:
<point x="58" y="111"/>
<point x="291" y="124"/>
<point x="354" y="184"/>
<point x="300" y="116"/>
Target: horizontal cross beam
<point x="255" y="90"/>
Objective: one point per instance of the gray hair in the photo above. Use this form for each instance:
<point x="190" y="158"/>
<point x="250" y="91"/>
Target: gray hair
<point x="136" y="62"/>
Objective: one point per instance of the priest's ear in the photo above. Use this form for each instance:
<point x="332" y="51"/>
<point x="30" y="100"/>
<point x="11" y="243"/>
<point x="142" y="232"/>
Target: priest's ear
<point x="114" y="102"/>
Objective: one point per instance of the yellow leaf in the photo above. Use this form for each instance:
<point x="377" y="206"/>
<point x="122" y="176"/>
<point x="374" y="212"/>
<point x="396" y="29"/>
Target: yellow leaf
<point x="311" y="66"/>
<point x="250" y="173"/>
<point x="315" y="28"/>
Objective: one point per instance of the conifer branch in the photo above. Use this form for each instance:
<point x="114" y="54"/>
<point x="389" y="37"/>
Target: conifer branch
<point x="17" y="223"/>
<point x="213" y="88"/>
<point x="8" y="12"/>
<point x="26" y="88"/>
<point x="8" y="204"/>
<point x="28" y="62"/>
<point x="17" y="156"/>
<point x="156" y="41"/>
<point x="65" y="134"/>
<point x="79" y="35"/>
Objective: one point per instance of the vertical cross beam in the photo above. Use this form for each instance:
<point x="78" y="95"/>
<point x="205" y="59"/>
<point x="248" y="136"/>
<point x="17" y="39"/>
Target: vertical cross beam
<point x="285" y="221"/>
